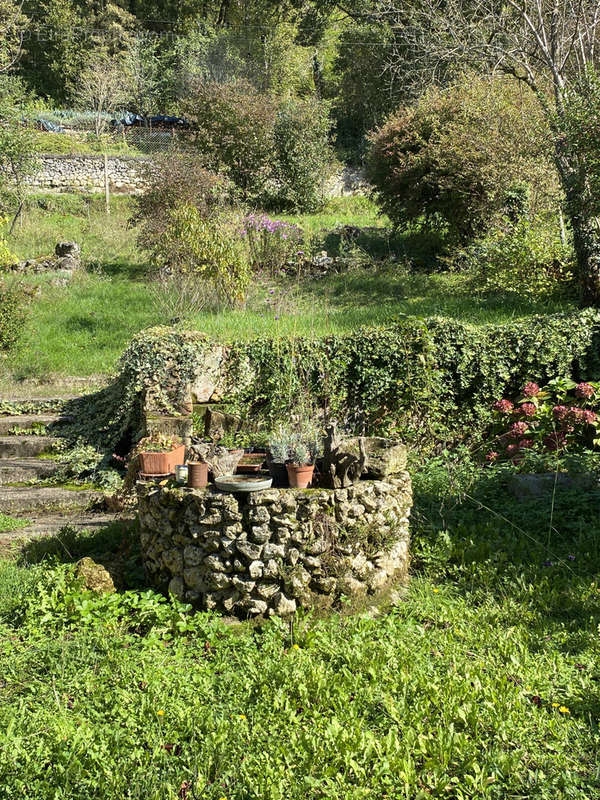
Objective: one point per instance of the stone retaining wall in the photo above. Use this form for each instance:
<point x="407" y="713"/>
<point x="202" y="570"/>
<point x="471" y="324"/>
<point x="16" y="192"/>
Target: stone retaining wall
<point x="67" y="173"/>
<point x="273" y="551"/>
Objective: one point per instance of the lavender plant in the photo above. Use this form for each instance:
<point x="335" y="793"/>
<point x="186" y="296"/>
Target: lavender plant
<point x="272" y="244"/>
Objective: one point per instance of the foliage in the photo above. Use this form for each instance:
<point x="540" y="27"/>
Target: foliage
<point x="298" y="442"/>
<point x="365" y="90"/>
<point x="13" y="24"/>
<point x="302" y="154"/>
<point x="7" y="258"/>
<point x="157" y="443"/>
<point x="487" y="666"/>
<point x="559" y="418"/>
<point x="271" y="243"/>
<point x="17" y="159"/>
<point x="234" y="125"/>
<point x="526" y="256"/>
<point x="192" y="246"/>
<point x="8" y="523"/>
<point x="13" y="301"/>
<point x="176" y="179"/>
<point x="276" y="153"/>
<point x="457" y="154"/>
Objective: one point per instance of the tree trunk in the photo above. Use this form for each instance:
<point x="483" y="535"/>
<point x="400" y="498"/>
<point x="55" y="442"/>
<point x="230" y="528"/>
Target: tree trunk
<point x="586" y="243"/>
<point x="584" y="226"/>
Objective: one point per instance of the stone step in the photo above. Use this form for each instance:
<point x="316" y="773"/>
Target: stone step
<point x="25" y="446"/>
<point x="25" y="500"/>
<point x="20" y="470"/>
<point x="28" y="421"/>
<point x="51" y="525"/>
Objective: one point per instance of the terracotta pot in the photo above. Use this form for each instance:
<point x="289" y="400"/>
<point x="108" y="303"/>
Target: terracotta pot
<point x="162" y="463"/>
<point x="251" y="462"/>
<point x="300" y="475"/>
<point x="197" y="474"/>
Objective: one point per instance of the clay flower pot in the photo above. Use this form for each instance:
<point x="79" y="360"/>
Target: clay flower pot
<point x="300" y="475"/>
<point x="161" y="463"/>
<point x="197" y="474"/>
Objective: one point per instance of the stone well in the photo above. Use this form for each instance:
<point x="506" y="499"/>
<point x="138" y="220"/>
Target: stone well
<point x="273" y="551"/>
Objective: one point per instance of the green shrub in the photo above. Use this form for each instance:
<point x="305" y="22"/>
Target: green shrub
<point x="174" y="180"/>
<point x="205" y="252"/>
<point x="302" y="153"/>
<point x="528" y="258"/>
<point x="12" y="314"/>
<point x="234" y="133"/>
<point x="276" y="153"/>
<point x="455" y="158"/>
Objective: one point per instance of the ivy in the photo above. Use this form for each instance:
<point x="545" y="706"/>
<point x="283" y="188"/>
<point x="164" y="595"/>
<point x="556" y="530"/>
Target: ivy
<point x="427" y="381"/>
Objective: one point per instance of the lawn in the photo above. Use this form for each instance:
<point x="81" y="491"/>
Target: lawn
<point x="81" y="329"/>
<point x="481" y="683"/>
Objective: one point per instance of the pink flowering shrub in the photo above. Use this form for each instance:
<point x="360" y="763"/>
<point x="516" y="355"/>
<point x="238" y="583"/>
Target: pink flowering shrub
<point x="561" y="417"/>
<point x="272" y="244"/>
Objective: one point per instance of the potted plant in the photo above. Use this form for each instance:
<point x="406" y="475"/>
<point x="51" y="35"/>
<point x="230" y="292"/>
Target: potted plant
<point x="160" y="454"/>
<point x="278" y="453"/>
<point x="300" y="466"/>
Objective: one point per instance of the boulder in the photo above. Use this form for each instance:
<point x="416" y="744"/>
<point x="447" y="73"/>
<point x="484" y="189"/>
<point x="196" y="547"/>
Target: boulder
<point x="94" y="576"/>
<point x="385" y="457"/>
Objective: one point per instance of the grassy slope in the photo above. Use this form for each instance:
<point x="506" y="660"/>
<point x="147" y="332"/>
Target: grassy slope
<point x="81" y="329"/>
<point x="483" y="683"/>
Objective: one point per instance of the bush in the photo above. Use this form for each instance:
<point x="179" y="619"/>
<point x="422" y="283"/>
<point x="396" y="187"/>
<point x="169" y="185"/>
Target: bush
<point x="455" y="157"/>
<point x="173" y="181"/>
<point x="559" y="418"/>
<point x="528" y="258"/>
<point x="302" y="153"/>
<point x="234" y="133"/>
<point x="275" y="153"/>
<point x="193" y="248"/>
<point x="12" y="314"/>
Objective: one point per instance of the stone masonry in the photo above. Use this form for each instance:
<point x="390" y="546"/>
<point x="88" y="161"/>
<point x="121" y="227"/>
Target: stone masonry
<point x="68" y="173"/>
<point x="271" y="552"/>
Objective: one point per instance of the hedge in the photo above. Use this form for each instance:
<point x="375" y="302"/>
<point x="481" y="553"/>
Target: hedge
<point x="428" y="381"/>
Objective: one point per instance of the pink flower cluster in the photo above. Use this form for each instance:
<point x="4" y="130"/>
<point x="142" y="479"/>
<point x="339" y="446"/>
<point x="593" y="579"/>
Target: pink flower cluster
<point x="554" y="427"/>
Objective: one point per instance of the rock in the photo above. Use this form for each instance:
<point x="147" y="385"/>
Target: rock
<point x="220" y="460"/>
<point x="251" y="550"/>
<point x="176" y="587"/>
<point x="94" y="576"/>
<point x="70" y="249"/>
<point x="255" y="569"/>
<point x="283" y="605"/>
<point x="385" y="457"/>
<point x="217" y="423"/>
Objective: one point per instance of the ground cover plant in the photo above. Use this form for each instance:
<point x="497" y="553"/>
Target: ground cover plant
<point x="481" y="683"/>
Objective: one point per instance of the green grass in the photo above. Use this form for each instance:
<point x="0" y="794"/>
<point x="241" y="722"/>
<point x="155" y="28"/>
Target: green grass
<point x="482" y="683"/>
<point x="8" y="523"/>
<point x="82" y="329"/>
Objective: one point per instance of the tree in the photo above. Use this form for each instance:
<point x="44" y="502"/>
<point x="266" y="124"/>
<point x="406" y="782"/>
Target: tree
<point x="101" y="88"/>
<point x="17" y="160"/>
<point x="12" y="30"/>
<point x="551" y="46"/>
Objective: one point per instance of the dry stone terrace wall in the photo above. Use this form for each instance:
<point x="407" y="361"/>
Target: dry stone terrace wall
<point x="66" y="173"/>
<point x="274" y="551"/>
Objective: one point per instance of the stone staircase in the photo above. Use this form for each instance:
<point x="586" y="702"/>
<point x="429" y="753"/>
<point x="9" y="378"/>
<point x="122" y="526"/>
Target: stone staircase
<point x="26" y="445"/>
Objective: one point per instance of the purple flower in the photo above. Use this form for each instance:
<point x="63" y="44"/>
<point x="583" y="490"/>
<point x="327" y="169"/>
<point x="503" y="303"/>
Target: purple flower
<point x="548" y="564"/>
<point x="571" y="558"/>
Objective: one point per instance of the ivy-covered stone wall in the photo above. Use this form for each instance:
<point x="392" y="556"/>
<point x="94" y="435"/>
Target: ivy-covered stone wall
<point x="423" y="381"/>
<point x="271" y="552"/>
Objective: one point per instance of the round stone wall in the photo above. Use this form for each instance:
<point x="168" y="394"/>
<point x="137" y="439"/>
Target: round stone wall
<point x="273" y="551"/>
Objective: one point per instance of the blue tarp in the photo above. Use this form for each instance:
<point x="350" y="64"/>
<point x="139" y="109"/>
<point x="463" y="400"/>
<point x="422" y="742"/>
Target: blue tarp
<point x="50" y="127"/>
<point x="158" y="121"/>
